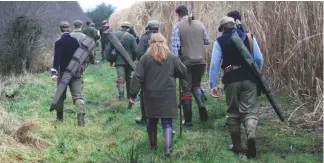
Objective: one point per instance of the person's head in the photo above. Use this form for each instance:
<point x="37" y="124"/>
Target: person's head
<point x="181" y="11"/>
<point x="159" y="48"/>
<point x="126" y="25"/>
<point x="77" y="24"/>
<point x="64" y="27"/>
<point x="92" y="25"/>
<point x="153" y="25"/>
<point x="235" y="15"/>
<point x="104" y="23"/>
<point x="88" y="23"/>
<point x="226" y="24"/>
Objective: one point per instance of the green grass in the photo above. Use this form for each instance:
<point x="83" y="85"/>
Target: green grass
<point x="111" y="134"/>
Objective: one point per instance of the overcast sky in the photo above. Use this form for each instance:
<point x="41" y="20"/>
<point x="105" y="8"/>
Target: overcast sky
<point x="88" y="4"/>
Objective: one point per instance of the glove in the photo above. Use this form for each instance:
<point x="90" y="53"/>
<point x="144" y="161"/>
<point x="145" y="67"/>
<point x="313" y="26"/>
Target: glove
<point x="54" y="74"/>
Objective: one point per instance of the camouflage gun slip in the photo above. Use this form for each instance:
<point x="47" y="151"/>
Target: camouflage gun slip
<point x="79" y="57"/>
<point x="119" y="47"/>
<point x="262" y="82"/>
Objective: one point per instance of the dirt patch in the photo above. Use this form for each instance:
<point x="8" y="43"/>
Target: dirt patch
<point x="17" y="138"/>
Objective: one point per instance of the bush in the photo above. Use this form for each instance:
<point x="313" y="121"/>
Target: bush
<point x="29" y="30"/>
<point x="100" y="13"/>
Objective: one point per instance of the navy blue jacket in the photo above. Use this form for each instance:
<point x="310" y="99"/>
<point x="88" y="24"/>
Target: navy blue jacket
<point x="64" y="50"/>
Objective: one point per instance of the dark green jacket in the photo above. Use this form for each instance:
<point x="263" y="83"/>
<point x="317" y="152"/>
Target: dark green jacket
<point x="129" y="44"/>
<point x="144" y="43"/>
<point x="159" y="84"/>
<point x="90" y="32"/>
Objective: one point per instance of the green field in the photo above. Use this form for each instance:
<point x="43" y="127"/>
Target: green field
<point x="111" y="135"/>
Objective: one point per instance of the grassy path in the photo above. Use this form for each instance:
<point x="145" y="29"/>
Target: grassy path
<point x="112" y="136"/>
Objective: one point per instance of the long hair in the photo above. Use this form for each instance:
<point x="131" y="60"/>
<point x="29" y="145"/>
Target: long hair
<point x="159" y="48"/>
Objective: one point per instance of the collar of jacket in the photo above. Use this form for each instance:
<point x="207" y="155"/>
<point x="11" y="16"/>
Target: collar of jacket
<point x="123" y="29"/>
<point x="77" y="30"/>
<point x="185" y="17"/>
<point x="152" y="31"/>
<point x="65" y="34"/>
<point x="239" y="32"/>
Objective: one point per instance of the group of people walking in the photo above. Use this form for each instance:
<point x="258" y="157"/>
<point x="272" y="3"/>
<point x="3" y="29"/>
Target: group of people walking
<point x="154" y="78"/>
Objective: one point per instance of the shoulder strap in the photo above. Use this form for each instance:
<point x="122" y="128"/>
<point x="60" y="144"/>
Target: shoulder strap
<point x="124" y="35"/>
<point x="249" y="36"/>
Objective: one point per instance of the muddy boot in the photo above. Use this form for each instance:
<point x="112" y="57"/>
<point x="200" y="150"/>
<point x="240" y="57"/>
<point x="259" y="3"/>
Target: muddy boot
<point x="168" y="133"/>
<point x="120" y="87"/>
<point x="235" y="132"/>
<point x="152" y="133"/>
<point x="79" y="108"/>
<point x="80" y="119"/>
<point x="187" y="112"/>
<point x="200" y="100"/>
<point x="143" y="119"/>
<point x="250" y="127"/>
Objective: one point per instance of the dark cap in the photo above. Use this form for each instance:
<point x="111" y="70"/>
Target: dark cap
<point x="235" y="15"/>
<point x="64" y="24"/>
<point x="77" y="23"/>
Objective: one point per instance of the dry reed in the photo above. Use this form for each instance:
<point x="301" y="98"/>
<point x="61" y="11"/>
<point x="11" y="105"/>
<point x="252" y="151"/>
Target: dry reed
<point x="289" y="34"/>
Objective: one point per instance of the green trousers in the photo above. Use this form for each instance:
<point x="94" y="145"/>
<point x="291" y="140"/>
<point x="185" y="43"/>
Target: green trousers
<point x="242" y="101"/>
<point x="75" y="86"/>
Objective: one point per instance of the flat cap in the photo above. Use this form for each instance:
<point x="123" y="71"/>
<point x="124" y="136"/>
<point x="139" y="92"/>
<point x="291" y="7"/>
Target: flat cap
<point x="77" y="23"/>
<point x="64" y="24"/>
<point x="224" y="21"/>
<point x="126" y="24"/>
<point x="153" y="24"/>
<point x="92" y="25"/>
<point x="104" y="22"/>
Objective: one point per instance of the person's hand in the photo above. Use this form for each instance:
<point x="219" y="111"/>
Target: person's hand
<point x="132" y="100"/>
<point x="54" y="77"/>
<point x="216" y="92"/>
<point x="53" y="74"/>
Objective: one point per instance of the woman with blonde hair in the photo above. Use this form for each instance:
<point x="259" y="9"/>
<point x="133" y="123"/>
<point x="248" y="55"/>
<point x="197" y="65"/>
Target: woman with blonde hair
<point x="156" y="73"/>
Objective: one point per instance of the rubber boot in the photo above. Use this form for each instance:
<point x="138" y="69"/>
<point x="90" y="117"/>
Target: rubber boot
<point x="59" y="116"/>
<point x="200" y="100"/>
<point x="59" y="110"/>
<point x="120" y="87"/>
<point x="168" y="133"/>
<point x="127" y="89"/>
<point x="251" y="126"/>
<point x="79" y="107"/>
<point x="143" y="119"/>
<point x="152" y="133"/>
<point x="81" y="119"/>
<point x="235" y="132"/>
<point x="187" y="113"/>
<point x="102" y="55"/>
